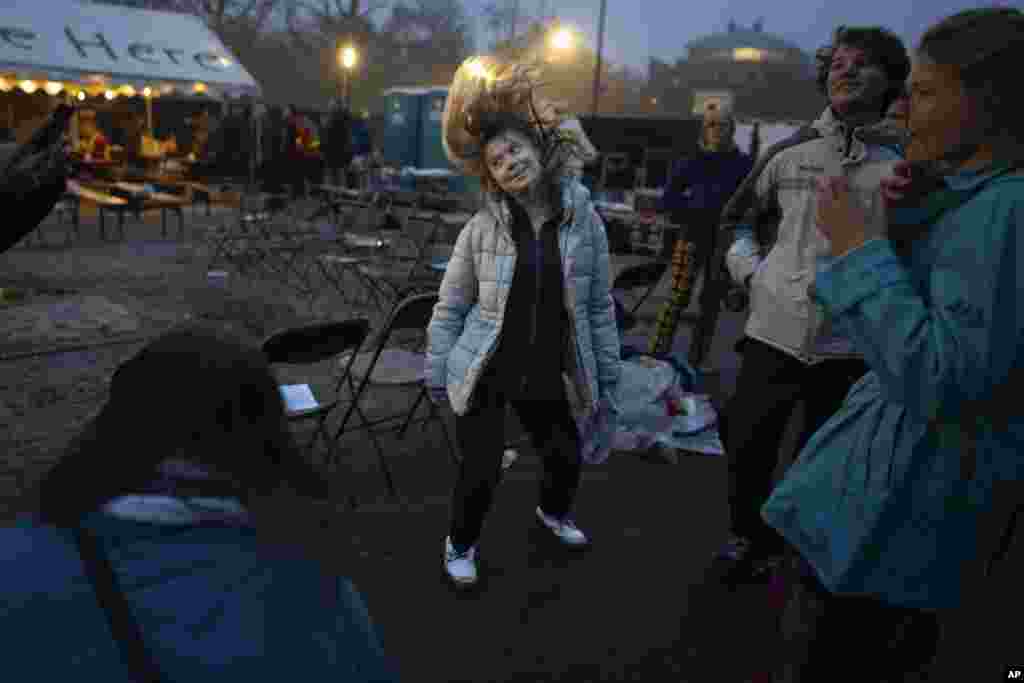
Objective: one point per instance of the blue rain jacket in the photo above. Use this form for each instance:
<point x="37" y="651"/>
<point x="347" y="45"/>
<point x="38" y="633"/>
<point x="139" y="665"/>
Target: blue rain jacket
<point x="886" y="498"/>
<point x="212" y="603"/>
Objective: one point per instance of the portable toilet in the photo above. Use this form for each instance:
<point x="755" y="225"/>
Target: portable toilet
<point x="402" y="116"/>
<point x="431" y="151"/>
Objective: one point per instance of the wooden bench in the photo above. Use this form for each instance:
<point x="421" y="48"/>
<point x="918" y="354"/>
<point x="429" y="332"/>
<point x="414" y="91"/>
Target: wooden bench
<point x="120" y="198"/>
<point x="205" y="194"/>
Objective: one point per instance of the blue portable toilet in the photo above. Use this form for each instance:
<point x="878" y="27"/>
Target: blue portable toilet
<point x="431" y="153"/>
<point x="402" y="125"/>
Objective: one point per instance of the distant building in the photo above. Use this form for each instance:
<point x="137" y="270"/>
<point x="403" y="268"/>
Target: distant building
<point x="760" y="75"/>
<point x="137" y="4"/>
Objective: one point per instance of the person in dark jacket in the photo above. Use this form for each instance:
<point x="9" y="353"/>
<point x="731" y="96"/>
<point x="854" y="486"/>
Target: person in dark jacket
<point x="178" y="482"/>
<point x="301" y="159"/>
<point x="34" y="183"/>
<point x="232" y="143"/>
<point x="697" y="189"/>
<point x="274" y="168"/>
<point x="338" y="152"/>
<point x="699" y="186"/>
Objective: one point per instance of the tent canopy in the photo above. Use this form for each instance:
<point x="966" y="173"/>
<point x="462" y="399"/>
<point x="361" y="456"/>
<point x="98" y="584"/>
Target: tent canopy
<point x="103" y="46"/>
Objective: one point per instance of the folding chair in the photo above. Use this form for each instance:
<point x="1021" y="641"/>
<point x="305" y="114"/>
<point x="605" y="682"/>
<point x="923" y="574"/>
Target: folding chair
<point x="344" y="208"/>
<point x="641" y="276"/>
<point x="339" y="267"/>
<point x="312" y="344"/>
<point x="408" y="270"/>
<point x="397" y="366"/>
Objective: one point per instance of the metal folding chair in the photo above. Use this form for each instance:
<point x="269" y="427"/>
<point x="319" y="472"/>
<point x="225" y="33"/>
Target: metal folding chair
<point x="339" y="267"/>
<point x="400" y="366"/>
<point x="405" y="269"/>
<point x="313" y="344"/>
<point x="643" y="276"/>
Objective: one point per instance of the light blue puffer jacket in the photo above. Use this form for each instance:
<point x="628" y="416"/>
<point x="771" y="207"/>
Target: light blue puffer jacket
<point x="463" y="332"/>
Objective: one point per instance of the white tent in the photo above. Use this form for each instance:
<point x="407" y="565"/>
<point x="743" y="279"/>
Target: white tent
<point x="91" y="49"/>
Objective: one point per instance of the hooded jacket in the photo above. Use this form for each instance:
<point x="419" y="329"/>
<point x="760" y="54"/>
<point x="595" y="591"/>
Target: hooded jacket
<point x="784" y="183"/>
<point x="467" y="321"/>
<point x="890" y="497"/>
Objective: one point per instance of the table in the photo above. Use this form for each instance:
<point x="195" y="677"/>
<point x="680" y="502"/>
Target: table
<point x="138" y="198"/>
<point x="209" y="196"/>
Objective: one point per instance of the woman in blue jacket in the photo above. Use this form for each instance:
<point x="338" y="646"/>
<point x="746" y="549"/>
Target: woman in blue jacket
<point x="144" y="562"/>
<point x="889" y="501"/>
<point x="525" y="314"/>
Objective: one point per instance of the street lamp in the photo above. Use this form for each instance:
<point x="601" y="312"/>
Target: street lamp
<point x="600" y="54"/>
<point x="347" y="57"/>
<point x="561" y="39"/>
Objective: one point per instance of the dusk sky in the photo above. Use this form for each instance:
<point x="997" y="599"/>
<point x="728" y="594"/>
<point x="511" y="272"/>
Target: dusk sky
<point x="639" y="29"/>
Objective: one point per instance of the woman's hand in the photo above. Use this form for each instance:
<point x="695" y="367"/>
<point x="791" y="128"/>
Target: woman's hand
<point x="840" y="216"/>
<point x="910" y="182"/>
<point x="896" y="186"/>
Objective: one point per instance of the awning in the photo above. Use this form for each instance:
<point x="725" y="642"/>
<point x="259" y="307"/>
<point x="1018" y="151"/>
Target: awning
<point x="77" y="46"/>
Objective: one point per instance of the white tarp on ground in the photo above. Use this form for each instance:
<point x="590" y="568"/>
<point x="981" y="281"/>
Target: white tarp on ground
<point x="646" y="388"/>
<point x="65" y="40"/>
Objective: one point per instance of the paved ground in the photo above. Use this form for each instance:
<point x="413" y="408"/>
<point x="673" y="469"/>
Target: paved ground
<point x="637" y="607"/>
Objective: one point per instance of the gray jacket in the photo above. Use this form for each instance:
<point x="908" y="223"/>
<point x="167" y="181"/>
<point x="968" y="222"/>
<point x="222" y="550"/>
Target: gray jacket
<point x="784" y="183"/>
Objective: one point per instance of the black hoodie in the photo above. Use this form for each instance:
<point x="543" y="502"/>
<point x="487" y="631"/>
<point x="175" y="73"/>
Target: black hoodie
<point x="528" y="362"/>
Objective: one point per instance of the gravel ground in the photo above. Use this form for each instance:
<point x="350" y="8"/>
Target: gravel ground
<point x="145" y="286"/>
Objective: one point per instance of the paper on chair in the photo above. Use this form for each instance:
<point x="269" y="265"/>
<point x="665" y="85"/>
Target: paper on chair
<point x="298" y="397"/>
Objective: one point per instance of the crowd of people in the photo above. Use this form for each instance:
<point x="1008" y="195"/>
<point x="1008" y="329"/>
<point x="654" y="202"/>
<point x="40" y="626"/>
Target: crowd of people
<point x="880" y="248"/>
<point x="291" y="150"/>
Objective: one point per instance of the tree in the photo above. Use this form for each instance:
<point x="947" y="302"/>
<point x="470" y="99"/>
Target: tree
<point x="217" y="14"/>
<point x="429" y="39"/>
<point x="569" y="77"/>
<point x="503" y="18"/>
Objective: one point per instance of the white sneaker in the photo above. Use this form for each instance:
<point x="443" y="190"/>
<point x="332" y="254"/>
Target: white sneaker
<point x="565" y="530"/>
<point x="460" y="567"/>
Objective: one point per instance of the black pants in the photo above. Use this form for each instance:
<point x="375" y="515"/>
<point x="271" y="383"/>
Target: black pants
<point x="701" y="230"/>
<point x="754" y="421"/>
<point x="867" y="639"/>
<point x="480" y="434"/>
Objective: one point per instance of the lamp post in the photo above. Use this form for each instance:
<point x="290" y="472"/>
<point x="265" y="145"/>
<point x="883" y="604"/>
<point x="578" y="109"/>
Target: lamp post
<point x="600" y="51"/>
<point x="347" y="57"/>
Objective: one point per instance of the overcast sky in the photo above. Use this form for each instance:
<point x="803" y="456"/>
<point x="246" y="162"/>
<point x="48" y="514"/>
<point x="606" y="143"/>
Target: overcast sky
<point x="639" y="29"/>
